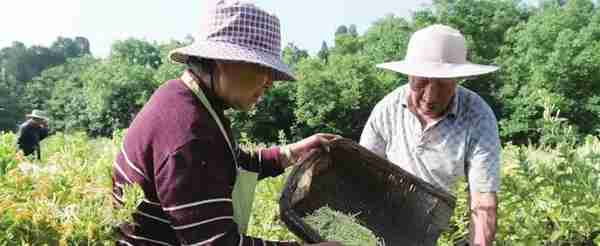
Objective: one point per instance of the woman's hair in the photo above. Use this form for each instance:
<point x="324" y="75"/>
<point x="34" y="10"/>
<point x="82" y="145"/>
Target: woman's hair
<point x="201" y="65"/>
<point x="203" y="68"/>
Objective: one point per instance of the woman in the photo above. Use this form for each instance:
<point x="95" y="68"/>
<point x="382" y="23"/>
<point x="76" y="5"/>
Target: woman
<point x="198" y="185"/>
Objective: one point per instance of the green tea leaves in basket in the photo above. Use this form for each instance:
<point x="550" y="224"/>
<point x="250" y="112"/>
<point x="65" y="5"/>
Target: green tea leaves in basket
<point x="336" y="226"/>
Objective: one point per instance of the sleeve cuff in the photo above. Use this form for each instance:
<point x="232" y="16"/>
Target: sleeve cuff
<point x="270" y="161"/>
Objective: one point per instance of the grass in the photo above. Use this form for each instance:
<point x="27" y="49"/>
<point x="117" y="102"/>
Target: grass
<point x="336" y="226"/>
<point x="548" y="195"/>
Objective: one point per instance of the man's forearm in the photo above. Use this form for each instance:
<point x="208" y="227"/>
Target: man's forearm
<point x="483" y="218"/>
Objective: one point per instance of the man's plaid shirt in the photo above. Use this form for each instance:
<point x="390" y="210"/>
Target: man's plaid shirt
<point x="466" y="137"/>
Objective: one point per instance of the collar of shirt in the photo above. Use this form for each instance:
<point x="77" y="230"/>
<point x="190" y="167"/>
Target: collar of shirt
<point x="218" y="105"/>
<point x="216" y="102"/>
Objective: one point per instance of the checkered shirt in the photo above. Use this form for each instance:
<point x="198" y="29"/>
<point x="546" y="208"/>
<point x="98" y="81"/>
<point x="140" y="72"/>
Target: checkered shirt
<point x="466" y="137"/>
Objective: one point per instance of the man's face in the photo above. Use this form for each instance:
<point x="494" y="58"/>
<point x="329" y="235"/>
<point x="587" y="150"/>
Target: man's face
<point x="242" y="85"/>
<point x="430" y="97"/>
<point x="38" y="121"/>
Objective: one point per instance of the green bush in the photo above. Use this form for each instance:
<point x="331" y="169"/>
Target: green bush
<point x="336" y="96"/>
<point x="265" y="221"/>
<point x="8" y="152"/>
<point x="62" y="200"/>
<point x="549" y="196"/>
<point x="552" y="55"/>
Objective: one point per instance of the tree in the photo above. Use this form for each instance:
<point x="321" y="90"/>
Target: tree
<point x="168" y="69"/>
<point x="337" y="96"/>
<point x="323" y="52"/>
<point x="292" y="55"/>
<point x="553" y="59"/>
<point x="274" y="113"/>
<point x="66" y="103"/>
<point x="136" y="52"/>
<point x="485" y="24"/>
<point x="68" y="48"/>
<point x="114" y="92"/>
<point x="347" y="44"/>
<point x="22" y="63"/>
<point x="347" y="40"/>
<point x="13" y="63"/>
<point x="343" y="29"/>
<point x="387" y="39"/>
<point x="84" y="45"/>
<point x="19" y="67"/>
<point x="10" y="111"/>
<point x="352" y="31"/>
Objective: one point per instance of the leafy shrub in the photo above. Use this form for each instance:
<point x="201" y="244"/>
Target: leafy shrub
<point x="265" y="221"/>
<point x="63" y="200"/>
<point x="8" y="151"/>
<point x="548" y="196"/>
<point x="554" y="54"/>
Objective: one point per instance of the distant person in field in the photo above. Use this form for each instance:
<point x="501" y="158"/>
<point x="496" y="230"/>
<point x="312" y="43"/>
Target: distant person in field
<point x="32" y="132"/>
<point x="438" y="130"/>
<point x="198" y="184"/>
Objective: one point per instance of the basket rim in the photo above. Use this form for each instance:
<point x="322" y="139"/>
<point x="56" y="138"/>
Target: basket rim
<point x="430" y="188"/>
<point x="288" y="214"/>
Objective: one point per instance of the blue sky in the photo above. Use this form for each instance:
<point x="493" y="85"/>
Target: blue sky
<point x="305" y="22"/>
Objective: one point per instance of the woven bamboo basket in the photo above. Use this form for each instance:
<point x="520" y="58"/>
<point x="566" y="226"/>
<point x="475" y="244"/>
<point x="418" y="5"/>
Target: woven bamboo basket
<point x="398" y="207"/>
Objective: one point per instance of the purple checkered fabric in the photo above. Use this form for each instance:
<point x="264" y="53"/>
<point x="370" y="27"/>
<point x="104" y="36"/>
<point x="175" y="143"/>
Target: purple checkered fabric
<point x="245" y="26"/>
<point x="238" y="31"/>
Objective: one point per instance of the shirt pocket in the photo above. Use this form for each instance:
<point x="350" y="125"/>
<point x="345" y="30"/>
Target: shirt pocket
<point x="400" y="154"/>
<point x="445" y="161"/>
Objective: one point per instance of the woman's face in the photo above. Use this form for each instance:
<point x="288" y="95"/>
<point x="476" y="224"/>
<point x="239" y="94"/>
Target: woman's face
<point x="241" y="84"/>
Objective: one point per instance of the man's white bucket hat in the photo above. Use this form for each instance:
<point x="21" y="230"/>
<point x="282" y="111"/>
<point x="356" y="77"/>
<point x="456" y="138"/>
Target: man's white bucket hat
<point x="437" y="51"/>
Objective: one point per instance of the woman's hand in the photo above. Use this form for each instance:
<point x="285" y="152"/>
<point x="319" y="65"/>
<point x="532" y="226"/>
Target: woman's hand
<point x="293" y="152"/>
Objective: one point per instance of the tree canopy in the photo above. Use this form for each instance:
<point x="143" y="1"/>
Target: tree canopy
<point x="548" y="57"/>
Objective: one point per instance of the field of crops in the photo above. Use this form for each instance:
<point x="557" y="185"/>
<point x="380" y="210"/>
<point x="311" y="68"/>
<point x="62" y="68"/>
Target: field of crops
<point x="549" y="195"/>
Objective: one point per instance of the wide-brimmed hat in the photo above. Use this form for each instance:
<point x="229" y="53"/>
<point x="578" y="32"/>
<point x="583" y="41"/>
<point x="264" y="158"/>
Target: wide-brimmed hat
<point x="38" y="114"/>
<point x="238" y="31"/>
<point x="437" y="51"/>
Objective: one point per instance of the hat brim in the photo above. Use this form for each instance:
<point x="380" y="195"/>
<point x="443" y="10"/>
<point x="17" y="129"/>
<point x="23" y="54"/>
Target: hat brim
<point x="36" y="117"/>
<point x="438" y="70"/>
<point x="231" y="52"/>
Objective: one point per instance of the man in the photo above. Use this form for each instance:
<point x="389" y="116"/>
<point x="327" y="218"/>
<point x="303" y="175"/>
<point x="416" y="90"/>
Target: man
<point x="198" y="185"/>
<point x="440" y="131"/>
<point x="32" y="131"/>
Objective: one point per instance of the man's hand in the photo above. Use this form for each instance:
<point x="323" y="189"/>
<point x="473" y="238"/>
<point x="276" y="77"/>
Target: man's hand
<point x="302" y="147"/>
<point x="483" y="218"/>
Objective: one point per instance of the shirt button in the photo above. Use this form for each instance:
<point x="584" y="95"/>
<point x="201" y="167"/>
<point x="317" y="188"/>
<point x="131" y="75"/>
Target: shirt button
<point x="419" y="150"/>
